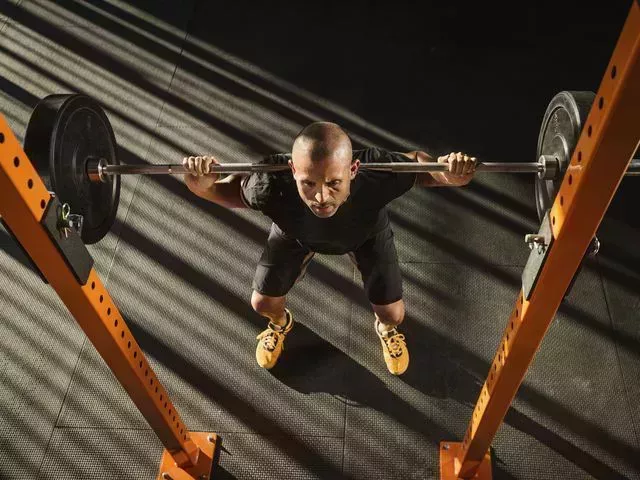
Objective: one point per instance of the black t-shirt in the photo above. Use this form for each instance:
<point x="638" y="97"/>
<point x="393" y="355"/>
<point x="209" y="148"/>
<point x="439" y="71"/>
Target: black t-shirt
<point x="363" y="214"/>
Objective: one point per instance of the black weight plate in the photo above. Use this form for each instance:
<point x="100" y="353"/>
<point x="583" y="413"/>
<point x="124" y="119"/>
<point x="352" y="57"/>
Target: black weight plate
<point x="559" y="133"/>
<point x="63" y="132"/>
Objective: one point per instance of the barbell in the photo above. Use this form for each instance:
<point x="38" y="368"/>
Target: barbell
<point x="72" y="145"/>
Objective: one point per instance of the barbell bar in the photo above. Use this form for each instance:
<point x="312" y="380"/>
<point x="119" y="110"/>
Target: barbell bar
<point x="99" y="170"/>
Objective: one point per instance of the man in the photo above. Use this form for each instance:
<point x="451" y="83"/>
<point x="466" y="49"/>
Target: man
<point x="325" y="204"/>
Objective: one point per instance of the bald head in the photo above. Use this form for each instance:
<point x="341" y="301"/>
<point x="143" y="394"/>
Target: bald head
<point x="323" y="167"/>
<point x="321" y="141"/>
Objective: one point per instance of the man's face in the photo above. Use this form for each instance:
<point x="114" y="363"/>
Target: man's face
<point x="324" y="185"/>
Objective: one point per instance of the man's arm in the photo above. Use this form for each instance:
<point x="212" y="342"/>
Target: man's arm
<point x="461" y="170"/>
<point x="225" y="191"/>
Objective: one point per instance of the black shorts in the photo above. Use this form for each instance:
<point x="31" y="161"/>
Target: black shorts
<point x="284" y="261"/>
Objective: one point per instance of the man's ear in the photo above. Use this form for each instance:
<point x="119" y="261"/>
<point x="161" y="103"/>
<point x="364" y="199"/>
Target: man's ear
<point x="355" y="166"/>
<point x="293" y="169"/>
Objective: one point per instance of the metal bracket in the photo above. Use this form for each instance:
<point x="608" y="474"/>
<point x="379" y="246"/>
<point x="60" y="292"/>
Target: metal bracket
<point x="67" y="241"/>
<point x="540" y="245"/>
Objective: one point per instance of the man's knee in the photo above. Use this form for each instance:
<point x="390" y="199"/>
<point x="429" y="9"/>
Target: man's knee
<point x="265" y="305"/>
<point x="391" y="314"/>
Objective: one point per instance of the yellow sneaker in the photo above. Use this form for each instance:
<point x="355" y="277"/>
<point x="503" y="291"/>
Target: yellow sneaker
<point x="394" y="349"/>
<point x="271" y="342"/>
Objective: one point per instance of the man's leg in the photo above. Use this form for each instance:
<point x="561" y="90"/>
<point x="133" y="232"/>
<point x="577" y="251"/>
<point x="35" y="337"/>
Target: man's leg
<point x="389" y="316"/>
<point x="282" y="263"/>
<point x="270" y="307"/>
<point x="377" y="261"/>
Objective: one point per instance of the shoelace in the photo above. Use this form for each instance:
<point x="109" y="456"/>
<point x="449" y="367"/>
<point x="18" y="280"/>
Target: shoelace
<point x="395" y="345"/>
<point x="269" y="339"/>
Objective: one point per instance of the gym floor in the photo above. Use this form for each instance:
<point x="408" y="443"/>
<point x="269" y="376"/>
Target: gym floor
<point x="239" y="80"/>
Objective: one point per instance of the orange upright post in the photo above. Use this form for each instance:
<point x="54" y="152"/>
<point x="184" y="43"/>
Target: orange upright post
<point x="606" y="146"/>
<point x="24" y="204"/>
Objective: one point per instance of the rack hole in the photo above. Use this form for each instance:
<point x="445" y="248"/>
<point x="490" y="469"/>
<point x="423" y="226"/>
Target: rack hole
<point x="101" y="298"/>
<point x="601" y="103"/>
<point x="42" y="203"/>
<point x="30" y="183"/>
<point x="570" y="179"/>
<point x="579" y="156"/>
<point x="589" y="130"/>
<point x="561" y="200"/>
<point x="614" y="71"/>
<point x="16" y="161"/>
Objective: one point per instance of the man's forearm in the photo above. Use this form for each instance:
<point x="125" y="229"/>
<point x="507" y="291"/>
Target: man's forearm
<point x="225" y="192"/>
<point x="436" y="179"/>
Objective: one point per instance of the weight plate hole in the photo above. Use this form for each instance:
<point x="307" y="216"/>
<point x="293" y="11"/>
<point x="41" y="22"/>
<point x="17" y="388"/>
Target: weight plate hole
<point x="601" y="103"/>
<point x="30" y="183"/>
<point x="613" y="72"/>
<point x="589" y="130"/>
<point x="16" y="161"/>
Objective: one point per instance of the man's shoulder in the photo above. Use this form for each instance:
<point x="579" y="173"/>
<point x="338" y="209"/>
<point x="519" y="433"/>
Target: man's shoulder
<point x="367" y="155"/>
<point x="275" y="159"/>
<point x="378" y="155"/>
<point x="262" y="190"/>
